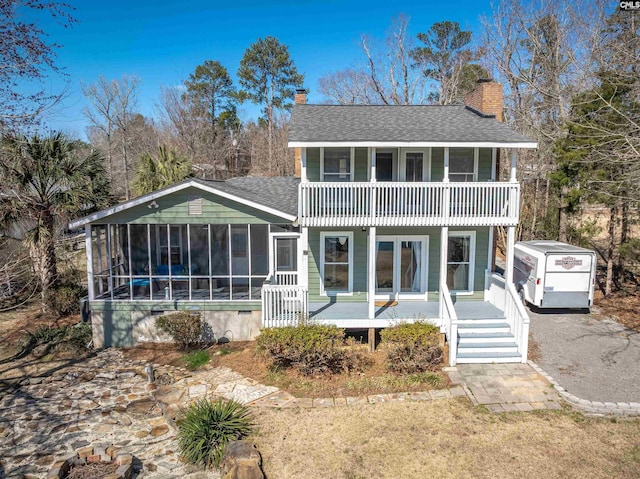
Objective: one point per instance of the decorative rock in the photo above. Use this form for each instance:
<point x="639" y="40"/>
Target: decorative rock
<point x="241" y="460"/>
<point x="159" y="430"/>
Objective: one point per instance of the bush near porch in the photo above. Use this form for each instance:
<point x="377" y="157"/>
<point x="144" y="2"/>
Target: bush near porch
<point x="311" y="349"/>
<point x="412" y="347"/>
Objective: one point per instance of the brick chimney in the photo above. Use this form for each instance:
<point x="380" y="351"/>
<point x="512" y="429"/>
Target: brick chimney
<point x="300" y="99"/>
<point x="486" y="98"/>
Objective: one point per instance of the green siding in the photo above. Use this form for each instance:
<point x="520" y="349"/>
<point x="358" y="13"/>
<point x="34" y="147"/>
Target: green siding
<point x="173" y="209"/>
<point x="437" y="164"/>
<point x="131" y="306"/>
<point x="360" y="260"/>
<point x="313" y="164"/>
<point x="361" y="168"/>
<point x="484" y="164"/>
<point x="359" y="265"/>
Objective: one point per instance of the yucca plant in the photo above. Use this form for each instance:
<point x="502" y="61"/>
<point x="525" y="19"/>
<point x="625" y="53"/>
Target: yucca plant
<point x="207" y="426"/>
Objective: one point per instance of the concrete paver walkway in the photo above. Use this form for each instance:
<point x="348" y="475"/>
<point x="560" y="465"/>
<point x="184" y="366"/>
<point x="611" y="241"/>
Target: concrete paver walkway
<point x="506" y="387"/>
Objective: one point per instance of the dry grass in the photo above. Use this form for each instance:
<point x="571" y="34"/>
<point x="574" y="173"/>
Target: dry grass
<point x="443" y="439"/>
<point x="374" y="379"/>
<point x="622" y="306"/>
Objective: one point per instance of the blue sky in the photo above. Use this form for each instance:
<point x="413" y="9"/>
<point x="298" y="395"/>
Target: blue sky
<point x="163" y="41"/>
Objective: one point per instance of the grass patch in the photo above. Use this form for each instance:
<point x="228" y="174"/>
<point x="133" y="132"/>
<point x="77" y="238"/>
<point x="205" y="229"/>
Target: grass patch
<point x="195" y="359"/>
<point x="443" y="439"/>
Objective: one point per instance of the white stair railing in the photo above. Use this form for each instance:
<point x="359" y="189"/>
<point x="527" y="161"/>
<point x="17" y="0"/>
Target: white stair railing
<point x="450" y="322"/>
<point x="283" y="305"/>
<point x="504" y="297"/>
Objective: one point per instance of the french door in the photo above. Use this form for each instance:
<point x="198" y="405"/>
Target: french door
<point x="401" y="267"/>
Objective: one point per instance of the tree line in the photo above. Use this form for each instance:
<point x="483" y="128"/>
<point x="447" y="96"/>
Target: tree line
<point x="570" y="80"/>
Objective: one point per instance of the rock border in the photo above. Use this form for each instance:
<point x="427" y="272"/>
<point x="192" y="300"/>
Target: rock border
<point x="590" y="407"/>
<point x="97" y="453"/>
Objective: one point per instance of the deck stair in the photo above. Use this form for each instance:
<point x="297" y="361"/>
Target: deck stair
<point x="486" y="338"/>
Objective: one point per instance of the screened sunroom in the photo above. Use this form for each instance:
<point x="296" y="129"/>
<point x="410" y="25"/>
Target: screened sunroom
<point x="185" y="262"/>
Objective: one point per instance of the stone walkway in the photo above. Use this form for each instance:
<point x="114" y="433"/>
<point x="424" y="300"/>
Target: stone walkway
<point x="505" y="387"/>
<point x="107" y="400"/>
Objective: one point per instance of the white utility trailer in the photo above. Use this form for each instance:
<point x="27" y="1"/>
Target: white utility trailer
<point x="551" y="274"/>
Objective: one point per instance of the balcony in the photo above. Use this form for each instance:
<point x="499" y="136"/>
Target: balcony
<point x="409" y="204"/>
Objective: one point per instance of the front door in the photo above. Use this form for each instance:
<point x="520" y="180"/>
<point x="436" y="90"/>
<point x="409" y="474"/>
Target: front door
<point x="285" y="259"/>
<point x="401" y="267"/>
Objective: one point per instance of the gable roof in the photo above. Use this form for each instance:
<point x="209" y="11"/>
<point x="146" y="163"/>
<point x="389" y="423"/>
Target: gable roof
<point x="274" y="195"/>
<point x="399" y="125"/>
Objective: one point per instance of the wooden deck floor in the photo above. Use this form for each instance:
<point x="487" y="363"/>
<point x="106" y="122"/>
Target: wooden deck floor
<point x="355" y="314"/>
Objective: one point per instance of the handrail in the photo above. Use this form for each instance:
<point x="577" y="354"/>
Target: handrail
<point x="408" y="204"/>
<point x="503" y="296"/>
<point x="450" y="320"/>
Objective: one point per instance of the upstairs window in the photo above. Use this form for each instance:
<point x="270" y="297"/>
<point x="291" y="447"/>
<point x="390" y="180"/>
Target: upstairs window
<point x="462" y="164"/>
<point x="337" y="164"/>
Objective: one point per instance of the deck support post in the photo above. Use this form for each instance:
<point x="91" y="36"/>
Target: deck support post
<point x="371" y="336"/>
<point x="372" y="273"/>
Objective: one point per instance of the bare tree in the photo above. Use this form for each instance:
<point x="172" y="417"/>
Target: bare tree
<point x="26" y="59"/>
<point x="113" y="106"/>
<point x="385" y="75"/>
<point x="541" y="53"/>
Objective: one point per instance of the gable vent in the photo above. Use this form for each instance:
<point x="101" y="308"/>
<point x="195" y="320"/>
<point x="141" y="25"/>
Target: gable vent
<point x="195" y="205"/>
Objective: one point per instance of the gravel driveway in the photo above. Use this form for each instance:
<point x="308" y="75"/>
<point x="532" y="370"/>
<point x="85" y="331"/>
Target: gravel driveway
<point x="591" y="357"/>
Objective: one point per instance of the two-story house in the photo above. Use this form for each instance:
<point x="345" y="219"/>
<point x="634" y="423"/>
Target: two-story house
<point x="391" y="217"/>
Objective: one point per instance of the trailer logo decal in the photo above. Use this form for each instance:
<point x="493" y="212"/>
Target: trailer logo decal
<point x="568" y="262"/>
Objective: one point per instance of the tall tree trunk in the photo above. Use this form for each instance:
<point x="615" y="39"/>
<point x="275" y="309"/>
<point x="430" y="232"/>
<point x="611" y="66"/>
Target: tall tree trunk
<point x="563" y="220"/>
<point x="534" y="219"/>
<point x="43" y="255"/>
<point x="125" y="160"/>
<point x="613" y="250"/>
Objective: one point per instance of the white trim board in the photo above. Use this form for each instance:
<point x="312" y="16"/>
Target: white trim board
<point x="173" y="189"/>
<point x="416" y="144"/>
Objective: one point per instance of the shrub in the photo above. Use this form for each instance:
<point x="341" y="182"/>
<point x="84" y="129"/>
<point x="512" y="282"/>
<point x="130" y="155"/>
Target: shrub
<point x="185" y="327"/>
<point x="206" y="427"/>
<point x="64" y="338"/>
<point x="65" y="299"/>
<point x="412" y="347"/>
<point x="309" y="348"/>
<point x="195" y="359"/>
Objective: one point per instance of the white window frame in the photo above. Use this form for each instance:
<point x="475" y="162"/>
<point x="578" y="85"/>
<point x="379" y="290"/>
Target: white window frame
<point x="426" y="163"/>
<point x="472" y="259"/>
<point x="352" y="155"/>
<point x="476" y="155"/>
<point x="323" y="236"/>
<point x="424" y="276"/>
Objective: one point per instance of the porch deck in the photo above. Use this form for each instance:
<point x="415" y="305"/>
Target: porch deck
<point x="355" y="314"/>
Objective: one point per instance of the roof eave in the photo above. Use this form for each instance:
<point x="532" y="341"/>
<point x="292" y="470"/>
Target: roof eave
<point x="416" y="144"/>
<point x="92" y="218"/>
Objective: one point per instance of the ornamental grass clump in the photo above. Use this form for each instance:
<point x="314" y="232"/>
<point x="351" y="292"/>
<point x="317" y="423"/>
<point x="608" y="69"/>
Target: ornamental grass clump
<point x="311" y="349"/>
<point x="412" y="347"/>
<point x="206" y="427"/>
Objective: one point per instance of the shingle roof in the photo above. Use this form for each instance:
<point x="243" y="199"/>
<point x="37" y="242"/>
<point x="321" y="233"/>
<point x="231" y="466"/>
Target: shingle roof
<point x="277" y="192"/>
<point x="397" y="123"/>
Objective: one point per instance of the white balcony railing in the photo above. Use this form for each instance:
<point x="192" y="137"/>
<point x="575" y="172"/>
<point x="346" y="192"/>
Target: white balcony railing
<point x="409" y="204"/>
